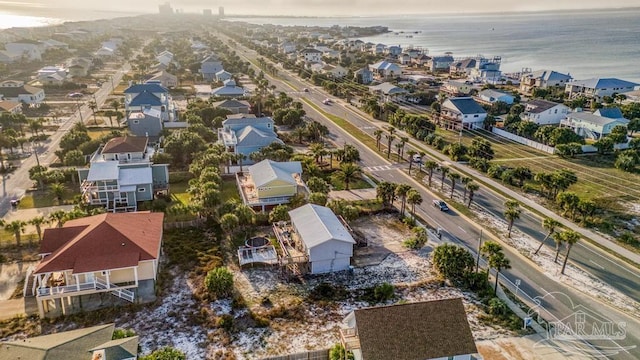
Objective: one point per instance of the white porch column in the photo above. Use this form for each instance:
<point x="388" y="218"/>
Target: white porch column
<point x="108" y="281"/>
<point x="77" y="281"/>
<point x="135" y="274"/>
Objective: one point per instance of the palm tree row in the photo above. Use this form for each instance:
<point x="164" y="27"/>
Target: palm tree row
<point x="388" y="192"/>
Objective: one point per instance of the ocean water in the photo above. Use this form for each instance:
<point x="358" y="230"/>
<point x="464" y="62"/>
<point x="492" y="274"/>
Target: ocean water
<point x="585" y="44"/>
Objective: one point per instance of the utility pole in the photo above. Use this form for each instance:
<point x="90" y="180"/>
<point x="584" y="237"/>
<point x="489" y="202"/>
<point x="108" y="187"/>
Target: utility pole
<point x="80" y="112"/>
<point x="478" y="255"/>
<point x="35" y="151"/>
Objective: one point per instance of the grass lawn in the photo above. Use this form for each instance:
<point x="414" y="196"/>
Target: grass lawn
<point x="38" y="199"/>
<point x="99" y="132"/>
<point x="339" y="185"/>
<point x="179" y="192"/>
<point x="229" y="190"/>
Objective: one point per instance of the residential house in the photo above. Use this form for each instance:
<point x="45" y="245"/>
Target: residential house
<point x="393" y="50"/>
<point x="13" y="90"/>
<point x="379" y="49"/>
<point x="542" y="79"/>
<point x="543" y="112"/>
<point x="270" y="183"/>
<point x="245" y="134"/>
<point x="325" y="240"/>
<point x="461" y="112"/>
<point x="309" y="55"/>
<point x="145" y="123"/>
<point x="385" y="70"/>
<point x="229" y="90"/>
<point x="490" y="96"/>
<point x="389" y="90"/>
<point x="594" y="125"/>
<point x="439" y="63"/>
<point x="429" y="330"/>
<point x="223" y="75"/>
<point x="121" y="174"/>
<point x="209" y="67"/>
<point x="234" y="106"/>
<point x="27" y="49"/>
<point x="52" y="79"/>
<point x="164" y="78"/>
<point x="80" y="344"/>
<point x="53" y="44"/>
<point x="462" y="67"/>
<point x="597" y="88"/>
<point x="79" y="67"/>
<point x="165" y="57"/>
<point x="458" y="88"/>
<point x="12" y="107"/>
<point x="150" y="95"/>
<point x="363" y="76"/>
<point x="487" y="70"/>
<point x="106" y="51"/>
<point x="404" y="59"/>
<point x="107" y="253"/>
<point x="334" y="71"/>
<point x="287" y="48"/>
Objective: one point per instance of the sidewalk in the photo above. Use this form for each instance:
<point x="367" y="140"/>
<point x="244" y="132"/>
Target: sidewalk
<point x="601" y="240"/>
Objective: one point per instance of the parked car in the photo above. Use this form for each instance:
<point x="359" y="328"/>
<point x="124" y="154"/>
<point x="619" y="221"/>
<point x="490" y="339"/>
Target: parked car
<point x="15" y="202"/>
<point x="305" y="89"/>
<point x="417" y="158"/>
<point x="326" y="101"/>
<point x="440" y="205"/>
<point x="75" y="95"/>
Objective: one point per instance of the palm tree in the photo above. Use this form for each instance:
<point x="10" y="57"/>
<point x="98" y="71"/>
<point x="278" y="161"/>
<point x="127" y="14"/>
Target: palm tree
<point x="59" y="216"/>
<point x="465" y="181"/>
<point x="453" y="177"/>
<point x="37" y="222"/>
<point x="569" y="237"/>
<point x="472" y="187"/>
<point x="430" y="166"/>
<point x="115" y="104"/>
<point x="410" y="154"/>
<point x="385" y="191"/>
<point x="57" y="189"/>
<point x="17" y="228"/>
<point x="401" y="192"/>
<point x="551" y="225"/>
<point x="511" y="213"/>
<point x="399" y="146"/>
<point x="378" y="135"/>
<point x="403" y="140"/>
<point x="422" y="154"/>
<point x="93" y="106"/>
<point x="499" y="262"/>
<point x="414" y="198"/>
<point x="445" y="171"/>
<point x="348" y="172"/>
<point x="390" y="138"/>
<point x="317" y="151"/>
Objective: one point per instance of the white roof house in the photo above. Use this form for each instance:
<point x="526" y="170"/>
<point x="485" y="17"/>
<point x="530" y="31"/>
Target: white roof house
<point x="328" y="244"/>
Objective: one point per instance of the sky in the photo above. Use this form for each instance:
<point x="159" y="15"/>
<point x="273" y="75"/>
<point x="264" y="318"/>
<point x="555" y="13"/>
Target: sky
<point x="313" y="7"/>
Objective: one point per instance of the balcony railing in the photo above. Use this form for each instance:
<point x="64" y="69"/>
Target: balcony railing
<point x="98" y="285"/>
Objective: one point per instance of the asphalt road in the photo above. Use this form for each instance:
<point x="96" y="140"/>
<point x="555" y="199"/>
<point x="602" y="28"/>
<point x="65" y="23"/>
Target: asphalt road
<point x="552" y="300"/>
<point x="16" y="184"/>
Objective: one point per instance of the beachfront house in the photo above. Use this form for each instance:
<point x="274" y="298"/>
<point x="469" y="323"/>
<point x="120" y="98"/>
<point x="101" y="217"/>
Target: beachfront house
<point x="486" y="70"/>
<point x="439" y="63"/>
<point x="594" y="125"/>
<point x="150" y="95"/>
<point x="461" y="112"/>
<point x="209" y="67"/>
<point x="81" y="344"/>
<point x="462" y="67"/>
<point x="542" y="79"/>
<point x="244" y="134"/>
<point x="429" y="330"/>
<point x="229" y="90"/>
<point x="121" y="174"/>
<point x="543" y="112"/>
<point x="145" y="123"/>
<point x="13" y="90"/>
<point x="270" y="183"/>
<point x="324" y="239"/>
<point x="458" y="88"/>
<point x="597" y="88"/>
<point x="107" y="253"/>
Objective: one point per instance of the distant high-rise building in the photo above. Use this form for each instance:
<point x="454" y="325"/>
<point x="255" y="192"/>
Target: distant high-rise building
<point x="207" y="12"/>
<point x="221" y="11"/>
<point x="165" y="9"/>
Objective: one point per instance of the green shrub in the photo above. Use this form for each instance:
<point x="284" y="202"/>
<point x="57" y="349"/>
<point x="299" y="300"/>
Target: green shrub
<point x="166" y="353"/>
<point x="628" y="238"/>
<point x="497" y="307"/>
<point x="383" y="292"/>
<point x="327" y="292"/>
<point x="122" y="333"/>
<point x="219" y="282"/>
<point x="259" y="320"/>
<point x="337" y="352"/>
<point x="226" y="322"/>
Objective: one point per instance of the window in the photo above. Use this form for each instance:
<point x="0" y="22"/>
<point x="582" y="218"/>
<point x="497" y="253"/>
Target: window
<point x="141" y="189"/>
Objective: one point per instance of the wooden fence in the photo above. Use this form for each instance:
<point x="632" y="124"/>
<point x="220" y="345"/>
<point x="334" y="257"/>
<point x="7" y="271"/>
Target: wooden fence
<point x="310" y="355"/>
<point x="523" y="141"/>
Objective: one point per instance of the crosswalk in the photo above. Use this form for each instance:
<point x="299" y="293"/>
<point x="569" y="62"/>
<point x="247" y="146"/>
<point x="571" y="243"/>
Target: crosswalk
<point x="382" y="167"/>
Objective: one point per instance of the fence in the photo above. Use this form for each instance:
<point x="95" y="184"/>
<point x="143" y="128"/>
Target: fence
<point x="311" y="355"/>
<point x="184" y="224"/>
<point x="523" y="141"/>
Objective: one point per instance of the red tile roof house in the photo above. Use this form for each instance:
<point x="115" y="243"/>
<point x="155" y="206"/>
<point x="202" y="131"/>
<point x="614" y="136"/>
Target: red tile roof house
<point x="116" y="253"/>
